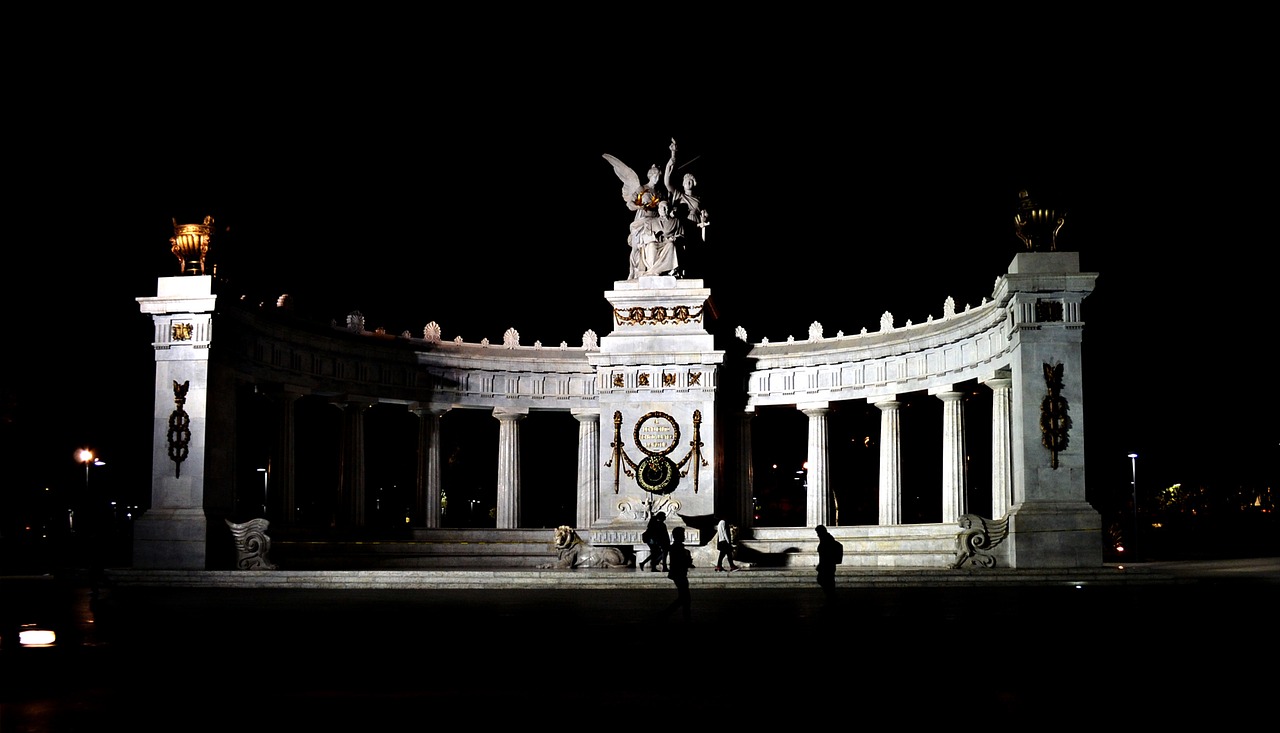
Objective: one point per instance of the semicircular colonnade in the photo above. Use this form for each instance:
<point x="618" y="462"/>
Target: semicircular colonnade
<point x="303" y="395"/>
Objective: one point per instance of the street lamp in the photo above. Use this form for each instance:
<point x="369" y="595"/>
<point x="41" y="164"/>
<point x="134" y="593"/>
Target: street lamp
<point x="1133" y="461"/>
<point x="85" y="456"/>
<point x="266" y="473"/>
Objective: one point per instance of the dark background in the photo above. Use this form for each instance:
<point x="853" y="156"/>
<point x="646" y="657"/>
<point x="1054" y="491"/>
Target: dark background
<point x="842" y="182"/>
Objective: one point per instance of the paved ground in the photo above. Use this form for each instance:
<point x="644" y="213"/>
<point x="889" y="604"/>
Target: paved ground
<point x="1202" y="647"/>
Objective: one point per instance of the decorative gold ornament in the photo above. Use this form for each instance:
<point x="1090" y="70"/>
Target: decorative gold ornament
<point x="656" y="473"/>
<point x="190" y="244"/>
<point x="1037" y="227"/>
<point x="658" y="315"/>
<point x="182" y="331"/>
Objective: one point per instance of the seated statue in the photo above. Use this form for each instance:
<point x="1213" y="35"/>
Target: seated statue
<point x="653" y="243"/>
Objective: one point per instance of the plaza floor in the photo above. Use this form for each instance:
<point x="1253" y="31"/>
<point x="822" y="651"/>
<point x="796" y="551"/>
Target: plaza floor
<point x="1200" y="646"/>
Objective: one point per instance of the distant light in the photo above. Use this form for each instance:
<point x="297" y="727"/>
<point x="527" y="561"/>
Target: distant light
<point x="1078" y="586"/>
<point x="36" y="637"/>
<point x="1133" y="455"/>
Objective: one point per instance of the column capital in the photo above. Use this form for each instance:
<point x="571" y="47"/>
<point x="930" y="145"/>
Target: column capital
<point x="813" y="408"/>
<point x="510" y="413"/>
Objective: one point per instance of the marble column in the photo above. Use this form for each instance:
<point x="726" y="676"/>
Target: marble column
<point x="1001" y="446"/>
<point x="427" y="492"/>
<point x="746" y="505"/>
<point x="588" y="503"/>
<point x="954" y="488"/>
<point x="351" y="498"/>
<point x="283" y="474"/>
<point x="818" y="497"/>
<point x="890" y="461"/>
<point x="508" y="466"/>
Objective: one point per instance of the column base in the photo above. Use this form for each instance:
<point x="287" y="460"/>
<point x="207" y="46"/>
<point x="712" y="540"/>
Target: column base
<point x="1054" y="535"/>
<point x="171" y="539"/>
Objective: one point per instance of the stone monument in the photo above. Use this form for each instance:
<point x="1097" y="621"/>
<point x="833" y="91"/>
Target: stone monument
<point x="657" y="374"/>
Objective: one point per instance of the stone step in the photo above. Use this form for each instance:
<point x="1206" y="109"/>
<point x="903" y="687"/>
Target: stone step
<point x="625" y="578"/>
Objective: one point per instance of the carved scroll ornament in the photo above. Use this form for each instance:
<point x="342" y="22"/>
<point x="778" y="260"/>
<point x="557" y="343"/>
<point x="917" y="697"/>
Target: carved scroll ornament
<point x="1055" y="423"/>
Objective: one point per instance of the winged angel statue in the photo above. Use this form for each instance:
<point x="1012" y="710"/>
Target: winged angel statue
<point x="657" y="236"/>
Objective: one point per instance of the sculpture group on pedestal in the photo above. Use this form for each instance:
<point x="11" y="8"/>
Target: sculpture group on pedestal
<point x="657" y="238"/>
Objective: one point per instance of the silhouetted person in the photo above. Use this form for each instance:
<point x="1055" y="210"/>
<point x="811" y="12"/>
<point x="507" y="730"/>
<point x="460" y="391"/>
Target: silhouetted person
<point x="658" y="540"/>
<point x="681" y="561"/>
<point x="725" y="545"/>
<point x="830" y="554"/>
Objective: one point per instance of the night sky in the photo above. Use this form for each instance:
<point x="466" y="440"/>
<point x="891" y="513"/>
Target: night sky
<point x="837" y="190"/>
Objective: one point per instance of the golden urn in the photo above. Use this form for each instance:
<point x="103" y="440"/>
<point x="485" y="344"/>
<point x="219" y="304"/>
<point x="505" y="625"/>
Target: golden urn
<point x="190" y="244"/>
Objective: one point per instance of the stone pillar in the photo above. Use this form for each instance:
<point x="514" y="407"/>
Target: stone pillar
<point x="174" y="532"/>
<point x="1051" y="522"/>
<point x="656" y="381"/>
<point x="427" y="491"/>
<point x="890" y="460"/>
<point x="588" y="503"/>
<point x="746" y="509"/>
<point x="508" y="466"/>
<point x="818" y="498"/>
<point x="1001" y="446"/>
<point x="955" y="499"/>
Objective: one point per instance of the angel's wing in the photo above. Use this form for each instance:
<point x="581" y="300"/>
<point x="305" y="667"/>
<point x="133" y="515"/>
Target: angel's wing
<point x="630" y="181"/>
<point x="997" y="530"/>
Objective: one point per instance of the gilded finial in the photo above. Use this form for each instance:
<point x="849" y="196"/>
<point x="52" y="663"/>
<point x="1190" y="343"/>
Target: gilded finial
<point x="190" y="244"/>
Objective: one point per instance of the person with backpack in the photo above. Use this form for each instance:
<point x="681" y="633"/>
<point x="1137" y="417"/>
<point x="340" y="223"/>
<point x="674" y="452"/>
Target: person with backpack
<point x="681" y="562"/>
<point x="830" y="554"/>
<point x="659" y="542"/>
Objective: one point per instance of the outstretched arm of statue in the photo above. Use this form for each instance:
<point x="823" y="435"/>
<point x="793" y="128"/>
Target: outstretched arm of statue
<point x="671" y="168"/>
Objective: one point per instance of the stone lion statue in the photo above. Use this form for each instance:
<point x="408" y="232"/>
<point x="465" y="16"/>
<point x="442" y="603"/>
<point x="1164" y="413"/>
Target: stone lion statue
<point x="574" y="552"/>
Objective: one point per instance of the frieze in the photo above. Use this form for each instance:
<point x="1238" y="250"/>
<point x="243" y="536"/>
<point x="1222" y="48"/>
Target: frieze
<point x="692" y="537"/>
<point x="616" y="537"/>
<point x="657" y="315"/>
